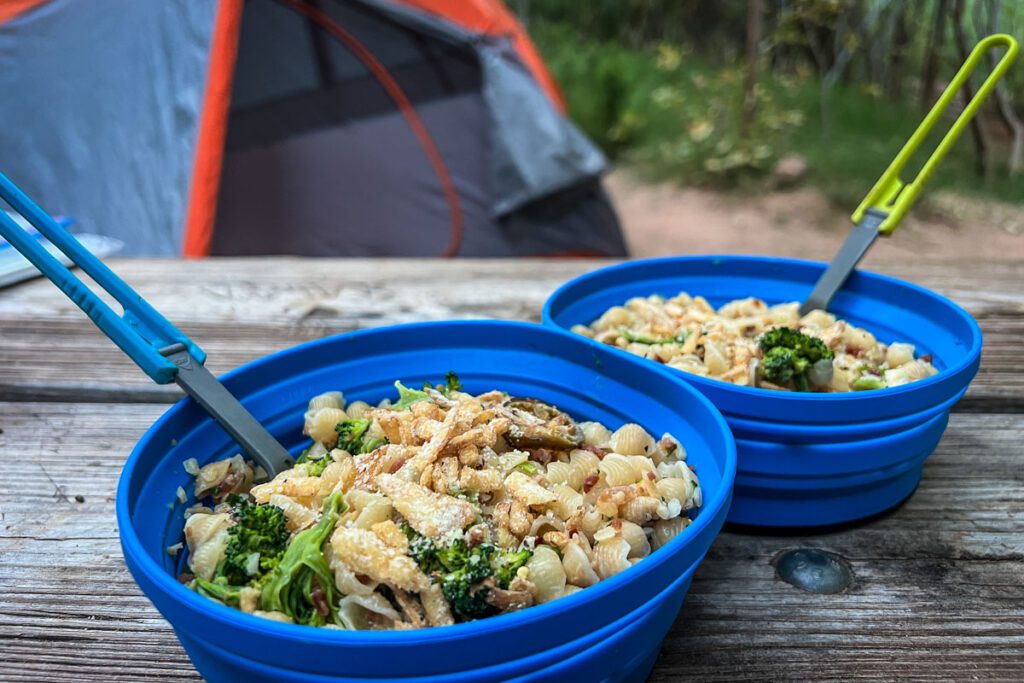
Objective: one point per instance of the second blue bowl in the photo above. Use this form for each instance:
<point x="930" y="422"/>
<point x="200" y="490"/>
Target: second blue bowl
<point x="809" y="459"/>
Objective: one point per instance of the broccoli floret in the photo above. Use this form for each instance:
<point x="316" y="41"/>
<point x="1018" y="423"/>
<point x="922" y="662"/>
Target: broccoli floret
<point x="218" y="589"/>
<point x="302" y="585"/>
<point x="789" y="354"/>
<point x="644" y="339"/>
<point x="452" y="383"/>
<point x="506" y="563"/>
<point x="314" y="467"/>
<point x="407" y="396"/>
<point x="262" y="531"/>
<point x="461" y="569"/>
<point x="421" y="549"/>
<point x="352" y="437"/>
<point x="810" y="348"/>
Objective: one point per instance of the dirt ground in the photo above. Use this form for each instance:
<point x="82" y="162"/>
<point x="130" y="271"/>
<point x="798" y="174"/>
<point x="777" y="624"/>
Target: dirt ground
<point x="666" y="219"/>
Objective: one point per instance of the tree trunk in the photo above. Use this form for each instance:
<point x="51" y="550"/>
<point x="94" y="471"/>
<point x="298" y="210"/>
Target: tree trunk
<point x="898" y="59"/>
<point x="755" y="14"/>
<point x="1003" y="104"/>
<point x="977" y="133"/>
<point x="933" y="49"/>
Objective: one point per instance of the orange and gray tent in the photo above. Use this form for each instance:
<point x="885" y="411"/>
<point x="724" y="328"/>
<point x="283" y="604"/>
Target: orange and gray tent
<point x="310" y="127"/>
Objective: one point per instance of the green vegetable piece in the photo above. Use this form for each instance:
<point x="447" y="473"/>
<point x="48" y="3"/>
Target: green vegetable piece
<point x="528" y="467"/>
<point x="352" y="437"/>
<point x="452" y="383"/>
<point x="219" y="589"/>
<point x="421" y="549"/>
<point x="789" y="354"/>
<point x="261" y="529"/>
<point x="461" y="570"/>
<point x="316" y="468"/>
<point x="643" y="339"/>
<point x="302" y="584"/>
<point x="869" y="382"/>
<point x="507" y="562"/>
<point x="407" y="396"/>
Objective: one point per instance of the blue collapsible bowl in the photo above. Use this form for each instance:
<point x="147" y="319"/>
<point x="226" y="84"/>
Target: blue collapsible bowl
<point x="809" y="459"/>
<point x="615" y="627"/>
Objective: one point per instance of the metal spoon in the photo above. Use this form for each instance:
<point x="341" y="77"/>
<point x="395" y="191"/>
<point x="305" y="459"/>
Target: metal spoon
<point x="889" y="200"/>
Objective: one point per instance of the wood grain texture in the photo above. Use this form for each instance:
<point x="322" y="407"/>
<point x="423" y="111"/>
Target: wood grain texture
<point x="938" y="592"/>
<point x="939" y="582"/>
<point x="241" y="309"/>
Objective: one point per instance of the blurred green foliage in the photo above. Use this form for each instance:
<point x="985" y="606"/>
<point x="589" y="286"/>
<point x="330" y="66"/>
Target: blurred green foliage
<point x="658" y="84"/>
<point x="667" y="110"/>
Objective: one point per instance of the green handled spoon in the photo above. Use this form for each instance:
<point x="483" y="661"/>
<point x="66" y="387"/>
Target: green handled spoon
<point x="889" y="200"/>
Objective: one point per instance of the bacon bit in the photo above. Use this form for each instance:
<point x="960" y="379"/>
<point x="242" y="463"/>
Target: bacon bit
<point x="927" y="358"/>
<point x="319" y="598"/>
<point x="230" y="482"/>
<point x="542" y="455"/>
<point x="599" y="452"/>
<point x="693" y="468"/>
<point x="650" y="475"/>
<point x="667" y="444"/>
<point x="509" y="601"/>
<point x="412" y="608"/>
<point x="617" y="524"/>
<point x="609" y="500"/>
<point x="590" y="482"/>
<point x="395" y="466"/>
<point x="476" y="535"/>
<point x="186" y="577"/>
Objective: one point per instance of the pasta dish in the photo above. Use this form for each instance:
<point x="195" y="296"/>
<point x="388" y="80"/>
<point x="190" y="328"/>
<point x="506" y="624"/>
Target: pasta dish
<point x="749" y="343"/>
<point x="440" y="508"/>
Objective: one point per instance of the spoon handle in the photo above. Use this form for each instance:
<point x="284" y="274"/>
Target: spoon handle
<point x="141" y="332"/>
<point x="157" y="346"/>
<point x="893" y="196"/>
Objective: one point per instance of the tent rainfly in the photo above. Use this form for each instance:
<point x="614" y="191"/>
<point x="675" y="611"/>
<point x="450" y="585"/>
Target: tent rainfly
<point x="310" y="127"/>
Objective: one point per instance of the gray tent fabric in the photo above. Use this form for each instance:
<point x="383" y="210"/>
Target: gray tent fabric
<point x="535" y="150"/>
<point x="351" y="189"/>
<point x="320" y="161"/>
<point x="103" y="102"/>
<point x="99" y="114"/>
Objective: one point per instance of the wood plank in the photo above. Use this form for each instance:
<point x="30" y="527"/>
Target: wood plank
<point x="938" y="592"/>
<point x="242" y="309"/>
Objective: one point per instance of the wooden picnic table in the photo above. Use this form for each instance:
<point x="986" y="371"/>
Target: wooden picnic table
<point x="939" y="582"/>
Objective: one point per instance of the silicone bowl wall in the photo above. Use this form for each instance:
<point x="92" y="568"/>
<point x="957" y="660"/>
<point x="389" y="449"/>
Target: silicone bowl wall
<point x="803" y="450"/>
<point x="586" y="381"/>
<point x="620" y="651"/>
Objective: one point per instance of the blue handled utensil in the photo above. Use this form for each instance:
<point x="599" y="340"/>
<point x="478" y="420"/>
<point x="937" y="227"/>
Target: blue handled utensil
<point x="158" y="347"/>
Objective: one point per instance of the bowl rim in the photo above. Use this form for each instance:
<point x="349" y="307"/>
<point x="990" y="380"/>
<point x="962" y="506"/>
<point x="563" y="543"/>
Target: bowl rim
<point x="236" y="619"/>
<point x="969" y="358"/>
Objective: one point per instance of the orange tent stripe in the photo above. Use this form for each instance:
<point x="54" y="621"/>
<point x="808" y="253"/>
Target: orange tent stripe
<point x="213" y="122"/>
<point x="493" y="18"/>
<point x="13" y="8"/>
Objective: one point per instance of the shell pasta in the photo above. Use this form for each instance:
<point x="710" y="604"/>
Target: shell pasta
<point x="440" y="508"/>
<point x="749" y="343"/>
